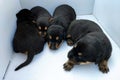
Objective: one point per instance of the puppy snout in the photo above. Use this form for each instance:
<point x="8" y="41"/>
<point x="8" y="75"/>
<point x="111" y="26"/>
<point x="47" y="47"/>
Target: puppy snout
<point x="53" y="46"/>
<point x="43" y="34"/>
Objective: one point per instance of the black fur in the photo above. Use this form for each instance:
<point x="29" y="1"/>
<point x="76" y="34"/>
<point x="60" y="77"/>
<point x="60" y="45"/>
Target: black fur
<point x="42" y="19"/>
<point x="25" y="15"/>
<point x="94" y="47"/>
<point x="26" y="38"/>
<point x="62" y="17"/>
<point x="79" y="28"/>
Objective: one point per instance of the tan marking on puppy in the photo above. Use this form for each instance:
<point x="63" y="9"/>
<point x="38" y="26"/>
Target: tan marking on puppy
<point x="87" y="62"/>
<point x="79" y="54"/>
<point x="49" y="44"/>
<point x="50" y="37"/>
<point x="39" y="28"/>
<point x="103" y="66"/>
<point x="57" y="45"/>
<point x="51" y="19"/>
<point x="34" y="21"/>
<point x="75" y="45"/>
<point x="46" y="28"/>
<point x="40" y="33"/>
<point x="68" y="36"/>
<point x="57" y="38"/>
<point x="45" y="33"/>
<point x="26" y="53"/>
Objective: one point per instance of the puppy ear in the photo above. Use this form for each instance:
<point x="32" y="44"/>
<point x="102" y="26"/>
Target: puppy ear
<point x="17" y="15"/>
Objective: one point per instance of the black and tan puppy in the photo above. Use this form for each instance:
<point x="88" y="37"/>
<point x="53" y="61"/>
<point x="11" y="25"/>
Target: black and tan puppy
<point x="27" y="39"/>
<point x="42" y="19"/>
<point x="93" y="47"/>
<point x="79" y="28"/>
<point x="62" y="17"/>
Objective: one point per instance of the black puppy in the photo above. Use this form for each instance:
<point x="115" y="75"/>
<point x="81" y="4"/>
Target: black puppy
<point x="93" y="47"/>
<point x="42" y="19"/>
<point x="25" y="15"/>
<point x="62" y="17"/>
<point x="27" y="39"/>
<point x="79" y="28"/>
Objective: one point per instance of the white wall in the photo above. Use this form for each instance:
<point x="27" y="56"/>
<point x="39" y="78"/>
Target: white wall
<point x="108" y="14"/>
<point x="8" y="9"/>
<point x="81" y="6"/>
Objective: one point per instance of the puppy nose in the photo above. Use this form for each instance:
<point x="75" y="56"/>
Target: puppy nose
<point x="53" y="46"/>
<point x="43" y="34"/>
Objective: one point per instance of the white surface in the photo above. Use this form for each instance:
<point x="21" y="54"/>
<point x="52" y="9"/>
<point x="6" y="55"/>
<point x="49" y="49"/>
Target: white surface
<point x="108" y="14"/>
<point x="7" y="28"/>
<point x="81" y="6"/>
<point x="48" y="65"/>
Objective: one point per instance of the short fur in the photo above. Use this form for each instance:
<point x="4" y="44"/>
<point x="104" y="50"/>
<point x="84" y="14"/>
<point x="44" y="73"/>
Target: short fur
<point x="93" y="47"/>
<point x="42" y="19"/>
<point x="26" y="38"/>
<point x="25" y="15"/>
<point x="79" y="28"/>
<point x="62" y="17"/>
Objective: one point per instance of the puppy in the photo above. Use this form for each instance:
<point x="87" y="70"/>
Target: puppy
<point x="62" y="17"/>
<point x="79" y="28"/>
<point x="26" y="39"/>
<point x="93" y="47"/>
<point x="42" y="19"/>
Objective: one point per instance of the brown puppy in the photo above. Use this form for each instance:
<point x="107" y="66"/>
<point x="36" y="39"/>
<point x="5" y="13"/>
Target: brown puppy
<point x="93" y="47"/>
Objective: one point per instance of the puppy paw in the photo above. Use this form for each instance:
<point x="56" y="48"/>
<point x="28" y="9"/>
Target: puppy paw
<point x="70" y="42"/>
<point x="67" y="66"/>
<point x="103" y="67"/>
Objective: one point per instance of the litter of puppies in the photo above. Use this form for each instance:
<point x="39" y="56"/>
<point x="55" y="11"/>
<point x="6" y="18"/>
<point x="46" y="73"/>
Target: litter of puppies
<point x="37" y="26"/>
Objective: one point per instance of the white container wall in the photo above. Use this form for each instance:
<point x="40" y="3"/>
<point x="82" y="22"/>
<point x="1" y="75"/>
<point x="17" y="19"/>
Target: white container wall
<point x="108" y="14"/>
<point x="8" y="9"/>
<point x="83" y="7"/>
<point x="49" y="64"/>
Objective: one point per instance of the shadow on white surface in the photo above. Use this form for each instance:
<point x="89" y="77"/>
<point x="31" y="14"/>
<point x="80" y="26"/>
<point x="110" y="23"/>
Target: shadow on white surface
<point x="48" y="65"/>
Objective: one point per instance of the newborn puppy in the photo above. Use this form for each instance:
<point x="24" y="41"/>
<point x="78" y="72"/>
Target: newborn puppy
<point x="27" y="39"/>
<point x="42" y="19"/>
<point x="62" y="17"/>
<point x="79" y="28"/>
<point x="93" y="47"/>
<point x="25" y="15"/>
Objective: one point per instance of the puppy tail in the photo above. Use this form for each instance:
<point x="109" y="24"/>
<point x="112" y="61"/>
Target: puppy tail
<point x="28" y="60"/>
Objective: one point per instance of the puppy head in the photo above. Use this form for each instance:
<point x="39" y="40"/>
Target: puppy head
<point x="55" y="36"/>
<point x="78" y="53"/>
<point x="69" y="39"/>
<point x="43" y="25"/>
<point x="25" y="15"/>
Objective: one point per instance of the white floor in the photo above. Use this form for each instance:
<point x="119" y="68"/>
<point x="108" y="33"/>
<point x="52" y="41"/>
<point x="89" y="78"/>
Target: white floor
<point x="48" y="65"/>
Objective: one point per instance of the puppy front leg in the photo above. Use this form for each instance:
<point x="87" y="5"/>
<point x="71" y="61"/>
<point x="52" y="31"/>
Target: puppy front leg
<point x="68" y="65"/>
<point x="103" y="66"/>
